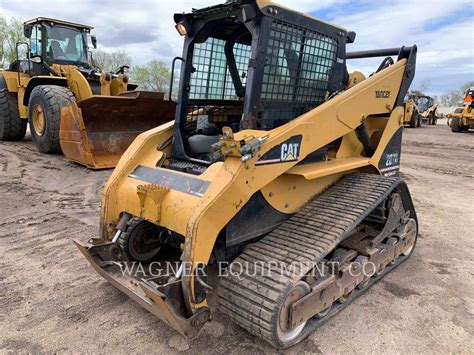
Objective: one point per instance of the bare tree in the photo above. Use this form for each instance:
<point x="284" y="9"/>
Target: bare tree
<point x="455" y="97"/>
<point x="422" y="87"/>
<point x="468" y="85"/>
<point x="451" y="98"/>
<point x="110" y="61"/>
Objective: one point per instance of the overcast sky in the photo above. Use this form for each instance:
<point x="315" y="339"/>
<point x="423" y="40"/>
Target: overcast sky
<point x="442" y="29"/>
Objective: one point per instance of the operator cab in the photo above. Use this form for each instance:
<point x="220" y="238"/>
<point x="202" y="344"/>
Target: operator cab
<point x="58" y="41"/>
<point x="51" y="42"/>
<point x="424" y="103"/>
<point x="251" y="65"/>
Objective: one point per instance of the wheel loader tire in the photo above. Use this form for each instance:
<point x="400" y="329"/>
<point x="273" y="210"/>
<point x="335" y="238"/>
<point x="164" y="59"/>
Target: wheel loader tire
<point x="418" y="121"/>
<point x="455" y="125"/>
<point x="141" y="241"/>
<point x="413" y="121"/>
<point x="44" y="115"/>
<point x="12" y="127"/>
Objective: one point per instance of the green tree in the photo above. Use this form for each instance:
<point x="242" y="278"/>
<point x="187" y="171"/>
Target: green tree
<point x="153" y="76"/>
<point x="111" y="61"/>
<point x="3" y="37"/>
<point x="11" y="32"/>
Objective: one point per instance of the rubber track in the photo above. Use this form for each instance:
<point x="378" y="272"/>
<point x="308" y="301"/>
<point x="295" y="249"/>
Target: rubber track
<point x="252" y="299"/>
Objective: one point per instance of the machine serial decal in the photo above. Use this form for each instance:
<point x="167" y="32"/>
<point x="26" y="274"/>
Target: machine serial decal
<point x="171" y="179"/>
<point x="284" y="152"/>
<point x="389" y="164"/>
<point x="382" y="94"/>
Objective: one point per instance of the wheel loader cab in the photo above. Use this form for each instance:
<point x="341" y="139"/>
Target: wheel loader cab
<point x="58" y="42"/>
<point x="251" y="68"/>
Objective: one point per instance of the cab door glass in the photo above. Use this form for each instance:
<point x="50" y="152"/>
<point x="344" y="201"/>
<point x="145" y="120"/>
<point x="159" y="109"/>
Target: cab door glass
<point x="35" y="41"/>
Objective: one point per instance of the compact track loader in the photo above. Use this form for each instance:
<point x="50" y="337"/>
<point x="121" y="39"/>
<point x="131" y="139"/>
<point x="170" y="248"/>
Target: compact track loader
<point x="91" y="115"/>
<point x="279" y="162"/>
<point x="463" y="117"/>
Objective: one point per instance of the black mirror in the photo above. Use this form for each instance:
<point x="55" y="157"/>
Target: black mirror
<point x="94" y="41"/>
<point x="121" y="70"/>
<point x="27" y="30"/>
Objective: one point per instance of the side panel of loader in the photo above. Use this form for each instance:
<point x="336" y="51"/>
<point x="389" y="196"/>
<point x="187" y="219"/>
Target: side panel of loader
<point x="97" y="131"/>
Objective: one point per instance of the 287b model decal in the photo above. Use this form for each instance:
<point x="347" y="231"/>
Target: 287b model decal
<point x="284" y="152"/>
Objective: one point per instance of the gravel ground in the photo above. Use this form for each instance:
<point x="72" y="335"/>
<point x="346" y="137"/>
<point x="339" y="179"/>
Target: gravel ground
<point x="52" y="301"/>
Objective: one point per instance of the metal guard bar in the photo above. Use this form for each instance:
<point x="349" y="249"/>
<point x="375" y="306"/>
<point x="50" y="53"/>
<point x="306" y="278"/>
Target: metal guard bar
<point x="377" y="52"/>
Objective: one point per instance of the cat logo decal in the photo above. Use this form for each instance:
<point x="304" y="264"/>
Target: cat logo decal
<point x="284" y="152"/>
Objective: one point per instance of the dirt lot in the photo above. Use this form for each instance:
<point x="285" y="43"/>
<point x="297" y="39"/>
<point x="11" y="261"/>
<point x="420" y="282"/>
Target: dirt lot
<point x="51" y="300"/>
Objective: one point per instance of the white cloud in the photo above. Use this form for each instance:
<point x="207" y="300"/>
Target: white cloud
<point x="445" y="46"/>
<point x="146" y="28"/>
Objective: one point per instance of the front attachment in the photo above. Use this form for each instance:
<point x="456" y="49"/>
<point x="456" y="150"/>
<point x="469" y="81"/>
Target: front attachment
<point x="97" y="131"/>
<point x="162" y="298"/>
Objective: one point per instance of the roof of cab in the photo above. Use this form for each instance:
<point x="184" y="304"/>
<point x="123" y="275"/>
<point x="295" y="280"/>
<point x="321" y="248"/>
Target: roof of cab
<point x="265" y="3"/>
<point x="59" y="22"/>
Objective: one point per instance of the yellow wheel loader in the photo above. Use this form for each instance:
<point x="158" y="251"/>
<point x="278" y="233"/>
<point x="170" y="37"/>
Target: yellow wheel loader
<point x="412" y="117"/>
<point x="279" y="174"/>
<point x="91" y="115"/>
<point x="463" y="117"/>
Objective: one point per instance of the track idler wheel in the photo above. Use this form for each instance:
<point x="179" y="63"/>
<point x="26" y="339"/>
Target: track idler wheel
<point x="284" y="333"/>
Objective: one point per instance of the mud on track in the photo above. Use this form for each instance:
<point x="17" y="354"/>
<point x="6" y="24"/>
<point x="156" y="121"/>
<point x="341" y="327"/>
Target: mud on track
<point x="51" y="300"/>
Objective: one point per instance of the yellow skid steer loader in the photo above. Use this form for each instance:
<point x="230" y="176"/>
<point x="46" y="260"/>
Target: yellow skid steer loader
<point x="428" y="107"/>
<point x="280" y="173"/>
<point x="71" y="105"/>
<point x="418" y="109"/>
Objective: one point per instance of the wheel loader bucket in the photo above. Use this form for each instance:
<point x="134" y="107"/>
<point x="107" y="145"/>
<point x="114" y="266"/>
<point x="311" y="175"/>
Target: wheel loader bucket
<point x="97" y="131"/>
<point x="164" y="301"/>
